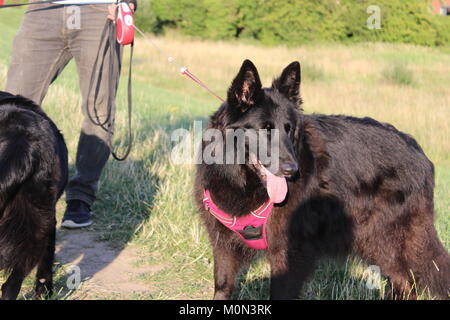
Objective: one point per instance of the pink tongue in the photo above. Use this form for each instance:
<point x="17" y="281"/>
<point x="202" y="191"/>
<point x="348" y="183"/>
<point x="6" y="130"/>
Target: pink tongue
<point x="276" y="186"/>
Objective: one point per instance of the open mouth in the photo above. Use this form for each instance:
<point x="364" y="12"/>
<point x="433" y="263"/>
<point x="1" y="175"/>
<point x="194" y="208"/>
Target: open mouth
<point x="276" y="186"/>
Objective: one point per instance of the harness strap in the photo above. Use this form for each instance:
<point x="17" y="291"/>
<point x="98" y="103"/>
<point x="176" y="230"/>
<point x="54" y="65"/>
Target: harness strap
<point x="251" y="228"/>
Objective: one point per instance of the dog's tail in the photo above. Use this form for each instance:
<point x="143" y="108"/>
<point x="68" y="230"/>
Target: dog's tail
<point x="19" y="221"/>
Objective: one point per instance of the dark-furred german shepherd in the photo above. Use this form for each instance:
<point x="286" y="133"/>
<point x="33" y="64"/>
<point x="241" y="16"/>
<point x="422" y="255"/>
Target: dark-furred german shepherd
<point x="33" y="175"/>
<point x="355" y="186"/>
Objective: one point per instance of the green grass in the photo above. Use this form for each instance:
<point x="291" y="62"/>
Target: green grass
<point x="147" y="201"/>
<point x="399" y="74"/>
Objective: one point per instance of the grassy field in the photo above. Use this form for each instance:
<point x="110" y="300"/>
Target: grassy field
<point x="146" y="202"/>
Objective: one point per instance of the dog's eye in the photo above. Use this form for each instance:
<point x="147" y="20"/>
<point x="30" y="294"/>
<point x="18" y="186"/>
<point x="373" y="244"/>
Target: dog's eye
<point x="287" y="127"/>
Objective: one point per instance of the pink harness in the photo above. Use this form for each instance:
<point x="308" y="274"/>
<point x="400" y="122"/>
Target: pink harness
<point x="250" y="228"/>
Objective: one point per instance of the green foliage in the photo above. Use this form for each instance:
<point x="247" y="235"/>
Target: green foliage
<point x="187" y="15"/>
<point x="401" y="21"/>
<point x="145" y="16"/>
<point x="295" y="22"/>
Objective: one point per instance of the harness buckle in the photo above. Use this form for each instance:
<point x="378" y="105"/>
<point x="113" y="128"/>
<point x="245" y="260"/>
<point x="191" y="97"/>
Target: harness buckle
<point x="252" y="233"/>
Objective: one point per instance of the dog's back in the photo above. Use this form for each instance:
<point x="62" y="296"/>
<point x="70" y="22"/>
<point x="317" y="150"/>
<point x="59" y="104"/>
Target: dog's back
<point x="33" y="174"/>
<point x="366" y="154"/>
<point x="388" y="184"/>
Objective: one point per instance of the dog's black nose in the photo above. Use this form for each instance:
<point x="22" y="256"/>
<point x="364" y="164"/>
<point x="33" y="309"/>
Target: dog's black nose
<point x="288" y="169"/>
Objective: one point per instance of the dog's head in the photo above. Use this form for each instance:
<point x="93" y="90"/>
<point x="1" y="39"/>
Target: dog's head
<point x="272" y="112"/>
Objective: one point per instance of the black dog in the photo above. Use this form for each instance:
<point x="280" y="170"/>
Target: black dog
<point x="355" y="186"/>
<point x="33" y="175"/>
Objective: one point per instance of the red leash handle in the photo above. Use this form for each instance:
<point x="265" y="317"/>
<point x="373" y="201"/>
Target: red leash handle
<point x="125" y="24"/>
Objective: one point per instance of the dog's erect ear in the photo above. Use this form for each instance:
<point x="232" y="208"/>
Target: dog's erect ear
<point x="245" y="87"/>
<point x="289" y="82"/>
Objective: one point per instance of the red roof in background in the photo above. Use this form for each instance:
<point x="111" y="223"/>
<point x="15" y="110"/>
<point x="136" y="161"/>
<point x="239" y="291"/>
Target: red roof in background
<point x="438" y="4"/>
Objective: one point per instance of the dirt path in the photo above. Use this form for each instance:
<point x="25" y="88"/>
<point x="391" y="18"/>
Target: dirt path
<point x="105" y="272"/>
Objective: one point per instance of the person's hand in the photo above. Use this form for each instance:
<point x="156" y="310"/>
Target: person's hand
<point x="112" y="10"/>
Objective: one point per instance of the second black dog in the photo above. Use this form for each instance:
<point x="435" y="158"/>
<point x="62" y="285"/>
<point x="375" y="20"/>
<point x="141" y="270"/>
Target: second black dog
<point x="33" y="175"/>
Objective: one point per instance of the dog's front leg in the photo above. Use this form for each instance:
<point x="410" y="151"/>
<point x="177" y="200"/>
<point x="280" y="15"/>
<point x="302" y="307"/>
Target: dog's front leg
<point x="227" y="264"/>
<point x="289" y="271"/>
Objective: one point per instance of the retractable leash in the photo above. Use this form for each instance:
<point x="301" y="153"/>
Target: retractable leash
<point x="125" y="25"/>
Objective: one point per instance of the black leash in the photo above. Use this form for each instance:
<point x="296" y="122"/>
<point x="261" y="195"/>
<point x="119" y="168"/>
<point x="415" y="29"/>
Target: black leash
<point x="115" y="54"/>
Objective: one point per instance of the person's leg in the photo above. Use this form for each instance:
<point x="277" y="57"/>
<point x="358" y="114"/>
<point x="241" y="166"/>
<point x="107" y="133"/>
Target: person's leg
<point x="39" y="54"/>
<point x="93" y="146"/>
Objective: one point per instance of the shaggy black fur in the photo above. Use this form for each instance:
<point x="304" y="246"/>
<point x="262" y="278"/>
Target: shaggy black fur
<point x="362" y="188"/>
<point x="33" y="175"/>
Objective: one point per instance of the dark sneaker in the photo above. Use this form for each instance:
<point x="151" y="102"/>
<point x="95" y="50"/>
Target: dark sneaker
<point x="77" y="215"/>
